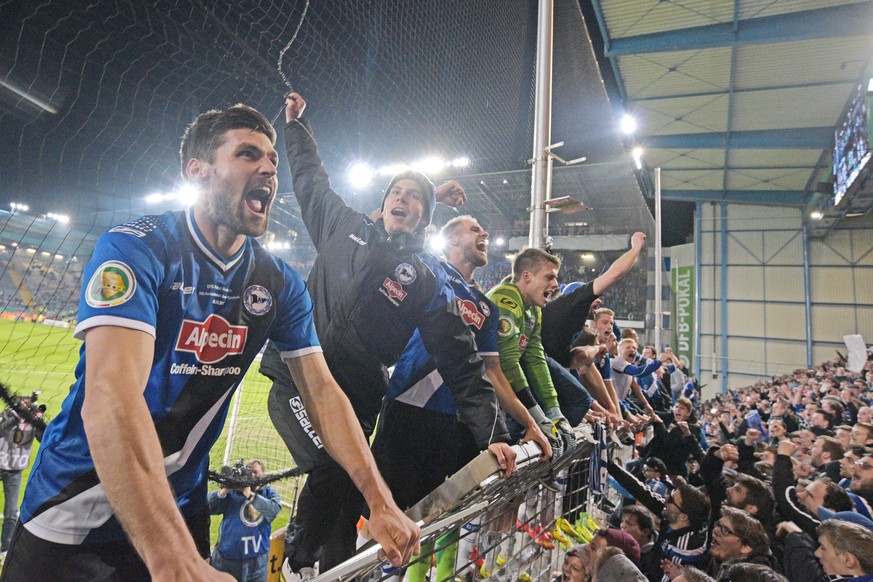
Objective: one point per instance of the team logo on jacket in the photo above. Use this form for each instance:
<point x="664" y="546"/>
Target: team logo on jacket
<point x="393" y="291"/>
<point x="405" y="274"/>
<point x="249" y="514"/>
<point x="257" y="300"/>
<point x="505" y="327"/>
<point x="470" y="314"/>
<point x="508" y="302"/>
<point x="483" y="307"/>
<point x="111" y="284"/>
<point x="211" y="340"/>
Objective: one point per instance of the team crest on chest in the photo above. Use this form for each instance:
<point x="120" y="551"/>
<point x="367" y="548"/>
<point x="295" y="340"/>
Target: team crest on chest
<point x="257" y="300"/>
<point x="405" y="274"/>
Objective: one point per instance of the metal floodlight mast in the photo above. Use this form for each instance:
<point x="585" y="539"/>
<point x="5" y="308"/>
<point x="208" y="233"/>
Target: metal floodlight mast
<point x="540" y="178"/>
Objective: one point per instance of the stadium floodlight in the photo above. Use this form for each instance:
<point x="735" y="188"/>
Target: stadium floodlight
<point x="628" y="124"/>
<point x="870" y="85"/>
<point x="62" y="218"/>
<point x="586" y="257"/>
<point x="17" y="206"/>
<point x="429" y="165"/>
<point x="392" y="169"/>
<point x="816" y="215"/>
<point x="155" y="198"/>
<point x="30" y="250"/>
<point x="360" y="175"/>
<point x="286" y="245"/>
<point x="461" y="162"/>
<point x="499" y="241"/>
<point x="638" y="157"/>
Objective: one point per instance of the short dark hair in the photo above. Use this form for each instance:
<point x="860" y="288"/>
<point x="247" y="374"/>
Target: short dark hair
<point x="749" y="572"/>
<point x="206" y="134"/>
<point x="532" y="260"/>
<point x="644" y="517"/>
<point x="695" y="504"/>
<point x="750" y="531"/>
<point x="832" y="446"/>
<point x="836" y="497"/>
<point x="586" y="337"/>
<point x="758" y="494"/>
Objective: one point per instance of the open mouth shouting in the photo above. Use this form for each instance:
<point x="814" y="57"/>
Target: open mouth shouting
<point x="258" y="200"/>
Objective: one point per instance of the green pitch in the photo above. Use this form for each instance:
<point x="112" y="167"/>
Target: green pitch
<point x="40" y="357"/>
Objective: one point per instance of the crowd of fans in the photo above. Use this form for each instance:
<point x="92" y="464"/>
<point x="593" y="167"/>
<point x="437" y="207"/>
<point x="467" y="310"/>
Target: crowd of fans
<point x="770" y="482"/>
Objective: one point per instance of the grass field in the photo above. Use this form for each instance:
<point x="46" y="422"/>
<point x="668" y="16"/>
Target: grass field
<point x="40" y="357"/>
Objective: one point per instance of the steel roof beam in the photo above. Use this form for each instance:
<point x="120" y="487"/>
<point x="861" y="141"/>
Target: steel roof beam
<point x="833" y="22"/>
<point x="770" y="197"/>
<point x="801" y="138"/>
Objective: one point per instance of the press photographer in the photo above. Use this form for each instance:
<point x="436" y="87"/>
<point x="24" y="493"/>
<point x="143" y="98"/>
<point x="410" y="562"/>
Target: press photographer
<point x="20" y="424"/>
<point x="243" y="543"/>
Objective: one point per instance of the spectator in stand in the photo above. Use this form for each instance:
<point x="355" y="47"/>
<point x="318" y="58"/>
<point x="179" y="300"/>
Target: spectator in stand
<point x="684" y="534"/>
<point x="738" y="537"/>
<point x="243" y="545"/>
<point x="845" y="552"/>
<point x="638" y="522"/>
<point x="657" y="478"/>
<point x="862" y="434"/>
<point x="676" y="438"/>
<point x="843" y="434"/>
<point x="862" y="485"/>
<point x="825" y="455"/>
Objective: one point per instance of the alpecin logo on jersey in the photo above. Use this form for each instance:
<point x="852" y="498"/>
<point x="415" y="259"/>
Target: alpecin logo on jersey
<point x="211" y="340"/>
<point x="470" y="314"/>
<point x="393" y="291"/>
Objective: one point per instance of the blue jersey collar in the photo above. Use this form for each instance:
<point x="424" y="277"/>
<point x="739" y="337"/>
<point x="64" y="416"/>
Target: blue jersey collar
<point x="222" y="263"/>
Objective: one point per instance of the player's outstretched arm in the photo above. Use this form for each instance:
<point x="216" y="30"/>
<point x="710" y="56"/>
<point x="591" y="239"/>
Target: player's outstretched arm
<point x="621" y="266"/>
<point x="127" y="454"/>
<point x="335" y="422"/>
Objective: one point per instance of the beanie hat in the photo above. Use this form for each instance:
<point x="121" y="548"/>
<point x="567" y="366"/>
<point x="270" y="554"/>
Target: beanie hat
<point x="625" y="542"/>
<point x="428" y="198"/>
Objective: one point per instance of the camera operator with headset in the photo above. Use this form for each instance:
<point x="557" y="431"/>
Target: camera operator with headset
<point x="20" y="424"/>
<point x="243" y="546"/>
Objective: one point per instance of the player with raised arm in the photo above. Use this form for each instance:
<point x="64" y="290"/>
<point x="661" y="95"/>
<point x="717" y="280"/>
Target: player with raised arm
<point x="173" y="311"/>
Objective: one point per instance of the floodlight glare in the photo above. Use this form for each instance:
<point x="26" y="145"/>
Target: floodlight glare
<point x="430" y="165"/>
<point x="638" y="157"/>
<point x="360" y="175"/>
<point x="154" y="198"/>
<point x="436" y="243"/>
<point x="21" y="207"/>
<point x="461" y="162"/>
<point x="628" y="124"/>
<point x="816" y="215"/>
<point x="499" y="241"/>
<point x="392" y="169"/>
<point x="187" y="194"/>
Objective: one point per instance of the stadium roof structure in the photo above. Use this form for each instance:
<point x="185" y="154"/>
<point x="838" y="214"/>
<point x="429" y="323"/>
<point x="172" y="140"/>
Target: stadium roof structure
<point x="738" y="101"/>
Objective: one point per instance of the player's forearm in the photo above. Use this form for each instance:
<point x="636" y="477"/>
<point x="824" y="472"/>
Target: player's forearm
<point x="125" y="447"/>
<point x="595" y="385"/>
<point x="505" y="394"/>
<point x="335" y="422"/>
<point x="616" y="271"/>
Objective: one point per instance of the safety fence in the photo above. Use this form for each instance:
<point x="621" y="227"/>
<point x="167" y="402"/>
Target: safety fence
<point x="478" y="525"/>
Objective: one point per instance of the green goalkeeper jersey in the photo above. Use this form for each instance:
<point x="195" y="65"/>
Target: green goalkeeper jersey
<point x="519" y="342"/>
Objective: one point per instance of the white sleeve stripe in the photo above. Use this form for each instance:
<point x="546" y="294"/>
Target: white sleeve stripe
<point x="301" y="352"/>
<point x="489" y="353"/>
<point x="111" y="320"/>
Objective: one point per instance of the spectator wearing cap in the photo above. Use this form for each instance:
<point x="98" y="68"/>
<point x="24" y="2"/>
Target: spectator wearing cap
<point x="825" y="455"/>
<point x="738" y="537"/>
<point x="845" y="552"/>
<point x="620" y="539"/>
<point x="637" y="521"/>
<point x="614" y="566"/>
<point x="656" y="476"/>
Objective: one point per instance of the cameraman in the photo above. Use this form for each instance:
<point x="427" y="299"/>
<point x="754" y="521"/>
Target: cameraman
<point x="243" y="546"/>
<point x="17" y="432"/>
